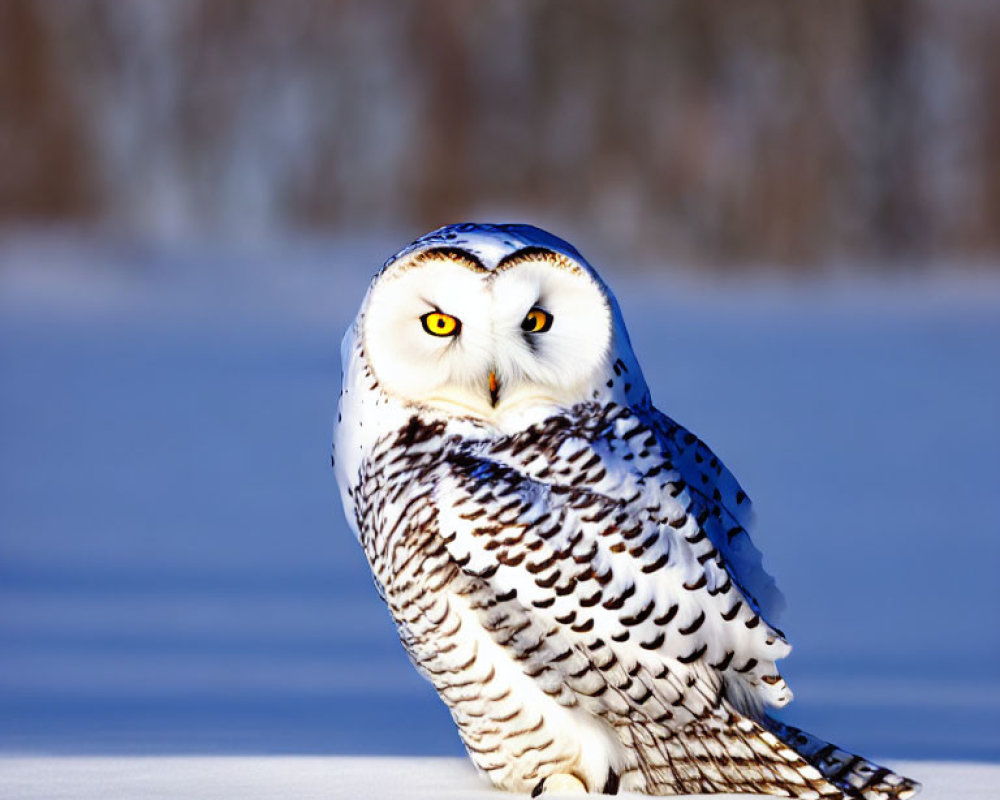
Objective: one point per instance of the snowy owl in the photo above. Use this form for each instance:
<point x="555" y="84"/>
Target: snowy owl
<point x="568" y="566"/>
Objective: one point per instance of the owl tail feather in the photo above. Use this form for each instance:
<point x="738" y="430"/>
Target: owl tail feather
<point x="726" y="754"/>
<point x="855" y="776"/>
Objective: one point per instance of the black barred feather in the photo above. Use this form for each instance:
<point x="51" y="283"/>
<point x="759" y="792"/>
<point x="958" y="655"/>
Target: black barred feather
<point x="554" y="575"/>
<point x="855" y="776"/>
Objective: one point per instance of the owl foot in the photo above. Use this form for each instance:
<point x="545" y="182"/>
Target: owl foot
<point x="560" y="783"/>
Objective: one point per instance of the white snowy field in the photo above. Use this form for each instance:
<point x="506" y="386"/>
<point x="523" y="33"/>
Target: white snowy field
<point x="347" y="777"/>
<point x="182" y="606"/>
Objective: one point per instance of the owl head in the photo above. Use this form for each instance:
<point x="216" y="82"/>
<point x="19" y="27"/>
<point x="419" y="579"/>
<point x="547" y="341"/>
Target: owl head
<point x="490" y="321"/>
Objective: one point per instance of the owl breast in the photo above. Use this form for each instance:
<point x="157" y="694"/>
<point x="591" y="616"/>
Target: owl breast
<point x="492" y="662"/>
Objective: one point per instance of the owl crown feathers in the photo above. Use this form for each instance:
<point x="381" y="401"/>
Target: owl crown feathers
<point x="490" y="243"/>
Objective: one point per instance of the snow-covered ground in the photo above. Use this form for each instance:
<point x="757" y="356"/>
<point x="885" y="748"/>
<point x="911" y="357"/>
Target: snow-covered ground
<point x="176" y="577"/>
<point x="341" y="778"/>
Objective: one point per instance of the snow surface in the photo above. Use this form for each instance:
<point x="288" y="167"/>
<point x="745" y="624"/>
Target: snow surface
<point x="330" y="778"/>
<point x="176" y="577"/>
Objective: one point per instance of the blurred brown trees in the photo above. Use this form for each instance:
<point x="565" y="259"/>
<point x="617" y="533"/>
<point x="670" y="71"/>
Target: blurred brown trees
<point x="764" y="130"/>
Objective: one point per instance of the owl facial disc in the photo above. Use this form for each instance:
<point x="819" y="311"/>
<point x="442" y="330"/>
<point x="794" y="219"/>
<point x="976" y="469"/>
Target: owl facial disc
<point x="496" y="320"/>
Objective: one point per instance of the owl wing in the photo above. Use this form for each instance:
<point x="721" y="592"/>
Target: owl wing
<point x="727" y="513"/>
<point x="592" y="523"/>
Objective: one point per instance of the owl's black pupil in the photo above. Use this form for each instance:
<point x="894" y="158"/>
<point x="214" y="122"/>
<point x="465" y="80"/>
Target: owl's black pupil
<point x="440" y="322"/>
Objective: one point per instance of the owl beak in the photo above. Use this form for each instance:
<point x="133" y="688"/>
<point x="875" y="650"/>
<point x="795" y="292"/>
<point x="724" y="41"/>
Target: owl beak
<point x="494" y="389"/>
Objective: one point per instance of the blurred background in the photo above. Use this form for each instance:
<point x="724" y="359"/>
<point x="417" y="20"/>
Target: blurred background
<point x="798" y="205"/>
<point x="763" y="131"/>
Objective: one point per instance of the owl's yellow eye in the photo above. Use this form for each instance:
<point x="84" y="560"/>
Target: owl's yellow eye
<point x="437" y="323"/>
<point x="536" y="321"/>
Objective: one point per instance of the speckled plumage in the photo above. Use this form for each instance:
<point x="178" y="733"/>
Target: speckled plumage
<point x="575" y="577"/>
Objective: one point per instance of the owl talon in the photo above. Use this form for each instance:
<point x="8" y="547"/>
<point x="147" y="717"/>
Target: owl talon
<point x="560" y="783"/>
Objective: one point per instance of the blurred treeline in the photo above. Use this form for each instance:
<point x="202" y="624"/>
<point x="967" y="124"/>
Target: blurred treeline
<point x="767" y="131"/>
